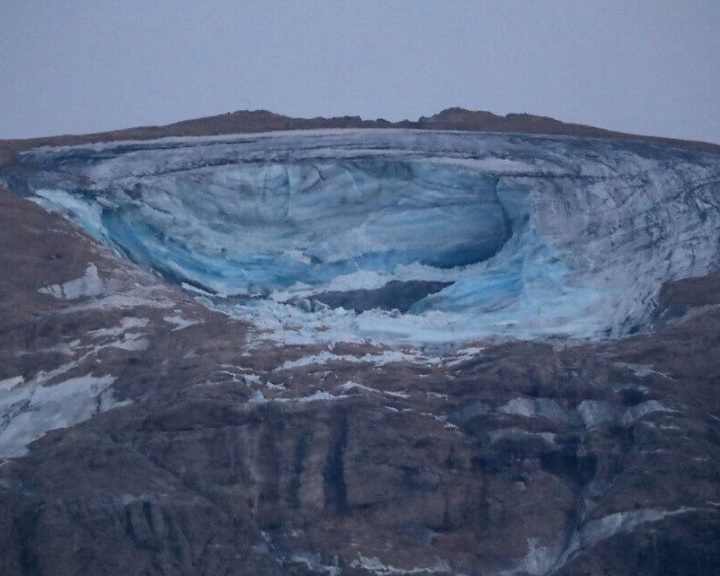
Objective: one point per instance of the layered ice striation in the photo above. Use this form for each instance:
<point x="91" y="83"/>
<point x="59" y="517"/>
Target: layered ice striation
<point x="399" y="235"/>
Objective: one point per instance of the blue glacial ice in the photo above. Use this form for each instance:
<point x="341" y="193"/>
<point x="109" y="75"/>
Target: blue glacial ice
<point x="424" y="236"/>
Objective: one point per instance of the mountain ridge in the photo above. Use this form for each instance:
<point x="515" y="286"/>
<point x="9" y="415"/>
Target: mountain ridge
<point x="256" y="121"/>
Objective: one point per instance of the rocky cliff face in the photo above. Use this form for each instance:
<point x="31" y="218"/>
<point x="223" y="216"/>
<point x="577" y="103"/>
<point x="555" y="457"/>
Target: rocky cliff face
<point x="269" y="356"/>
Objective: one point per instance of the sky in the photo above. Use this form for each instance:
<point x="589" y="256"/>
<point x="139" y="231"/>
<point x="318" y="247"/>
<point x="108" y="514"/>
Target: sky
<point x="641" y="66"/>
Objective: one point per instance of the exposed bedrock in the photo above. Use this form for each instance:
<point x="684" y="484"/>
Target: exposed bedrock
<point x="520" y="461"/>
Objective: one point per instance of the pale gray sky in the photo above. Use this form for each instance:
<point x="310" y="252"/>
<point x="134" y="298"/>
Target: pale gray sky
<point x="74" y="66"/>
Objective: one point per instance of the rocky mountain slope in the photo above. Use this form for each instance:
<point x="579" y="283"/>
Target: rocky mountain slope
<point x="154" y="422"/>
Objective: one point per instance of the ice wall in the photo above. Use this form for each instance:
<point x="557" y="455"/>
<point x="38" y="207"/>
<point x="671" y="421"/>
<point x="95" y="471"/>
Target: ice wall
<point x="255" y="229"/>
<point x="399" y="235"/>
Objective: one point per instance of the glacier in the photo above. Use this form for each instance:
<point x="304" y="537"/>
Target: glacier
<point x="398" y="236"/>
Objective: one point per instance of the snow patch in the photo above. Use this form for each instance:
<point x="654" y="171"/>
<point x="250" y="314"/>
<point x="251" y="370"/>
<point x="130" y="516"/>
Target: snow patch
<point x="538" y="561"/>
<point x="28" y="411"/>
<point x="10" y="383"/>
<point x="127" y="323"/>
<point x="542" y="560"/>
<point x="463" y="355"/>
<point x="89" y="285"/>
<point x="381" y="359"/>
<point x="180" y="322"/>
<point x="131" y="343"/>
<point x="315" y="397"/>
<point x="641" y="370"/>
<point x="314" y="563"/>
<point x="374" y="564"/>
<point x="597" y="530"/>
<point x="538" y="407"/>
<point x="597" y="412"/>
<point x="350" y="385"/>
<point x="122" y="337"/>
<point x="251" y="379"/>
<point x="590" y="413"/>
<point x="259" y="398"/>
<point x="126" y="301"/>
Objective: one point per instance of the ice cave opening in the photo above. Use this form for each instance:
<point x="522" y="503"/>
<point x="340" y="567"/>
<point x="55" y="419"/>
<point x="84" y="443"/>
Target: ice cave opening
<point x="345" y="234"/>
